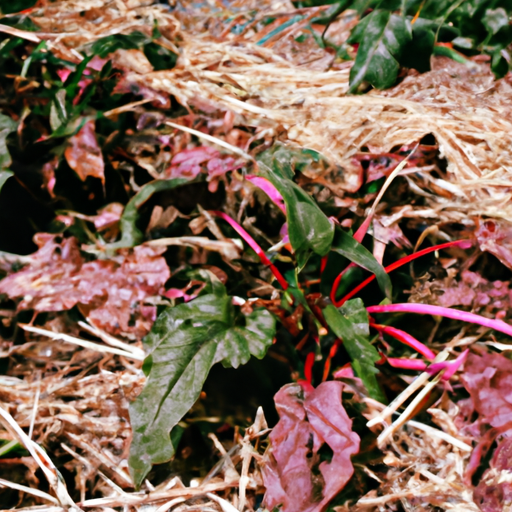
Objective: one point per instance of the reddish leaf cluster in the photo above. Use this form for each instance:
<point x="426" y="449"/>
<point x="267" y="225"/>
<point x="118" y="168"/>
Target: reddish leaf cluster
<point x="294" y="474"/>
<point x="190" y="162"/>
<point x="110" y="292"/>
<point x="488" y="379"/>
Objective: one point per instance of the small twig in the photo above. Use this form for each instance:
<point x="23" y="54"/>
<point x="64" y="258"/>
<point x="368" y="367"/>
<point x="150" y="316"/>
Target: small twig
<point x="111" y="340"/>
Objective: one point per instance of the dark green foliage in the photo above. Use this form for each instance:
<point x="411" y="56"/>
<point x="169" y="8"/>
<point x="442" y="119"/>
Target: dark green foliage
<point x="350" y="324"/>
<point x="185" y="342"/>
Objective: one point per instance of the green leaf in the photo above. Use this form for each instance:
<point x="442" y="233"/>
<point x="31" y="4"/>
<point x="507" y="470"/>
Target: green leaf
<point x="58" y="114"/>
<point x="131" y="234"/>
<point x="4" y="176"/>
<point x="308" y="227"/>
<point x="185" y="342"/>
<point x="7" y="126"/>
<point x="382" y="37"/>
<point x="495" y="19"/>
<point x="350" y="324"/>
<point x="418" y="52"/>
<point x="351" y="249"/>
<point x="499" y="64"/>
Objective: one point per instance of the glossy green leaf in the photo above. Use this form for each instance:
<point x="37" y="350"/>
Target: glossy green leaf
<point x="131" y="234"/>
<point x="185" y="342"/>
<point x="351" y="249"/>
<point x="350" y="324"/>
<point x="382" y="37"/>
<point x="308" y="227"/>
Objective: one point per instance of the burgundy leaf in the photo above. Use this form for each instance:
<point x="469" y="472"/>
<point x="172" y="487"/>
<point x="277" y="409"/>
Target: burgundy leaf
<point x="110" y="292"/>
<point x="294" y="474"/>
<point x="488" y="379"/>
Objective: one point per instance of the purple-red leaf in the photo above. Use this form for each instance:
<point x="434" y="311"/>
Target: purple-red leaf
<point x="294" y="474"/>
<point x="110" y="292"/>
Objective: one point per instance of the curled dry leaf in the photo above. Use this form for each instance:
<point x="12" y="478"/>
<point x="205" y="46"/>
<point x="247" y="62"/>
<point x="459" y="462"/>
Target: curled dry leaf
<point x="294" y="474"/>
<point x="84" y="154"/>
<point x="109" y="292"/>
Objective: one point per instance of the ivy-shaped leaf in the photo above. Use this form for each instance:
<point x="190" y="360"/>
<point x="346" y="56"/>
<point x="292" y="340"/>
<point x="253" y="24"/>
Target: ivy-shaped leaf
<point x="350" y="324"/>
<point x="382" y="37"/>
<point x="185" y="342"/>
<point x="351" y="249"/>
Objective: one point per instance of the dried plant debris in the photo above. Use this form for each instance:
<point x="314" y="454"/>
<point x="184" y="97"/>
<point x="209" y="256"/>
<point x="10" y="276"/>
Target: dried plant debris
<point x="111" y="293"/>
<point x="201" y="162"/>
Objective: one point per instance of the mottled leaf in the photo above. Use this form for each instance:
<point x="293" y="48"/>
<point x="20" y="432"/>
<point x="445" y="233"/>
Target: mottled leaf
<point x="110" y="292"/>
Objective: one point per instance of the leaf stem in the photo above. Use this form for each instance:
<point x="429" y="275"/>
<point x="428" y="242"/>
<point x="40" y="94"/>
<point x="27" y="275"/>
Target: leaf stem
<point x="455" y="314"/>
<point x="253" y="245"/>
<point x="464" y="244"/>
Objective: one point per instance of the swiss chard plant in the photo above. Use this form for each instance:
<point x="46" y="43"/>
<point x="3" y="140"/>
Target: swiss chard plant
<point x="189" y="338"/>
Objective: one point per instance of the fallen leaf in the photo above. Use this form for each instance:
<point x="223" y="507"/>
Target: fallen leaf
<point x="83" y="153"/>
<point x="294" y="474"/>
<point x="110" y="292"/>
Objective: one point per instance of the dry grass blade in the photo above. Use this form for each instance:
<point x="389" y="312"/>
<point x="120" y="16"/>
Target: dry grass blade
<point x="83" y="343"/>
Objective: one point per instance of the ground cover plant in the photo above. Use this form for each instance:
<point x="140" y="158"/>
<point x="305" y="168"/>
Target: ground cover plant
<point x="316" y="196"/>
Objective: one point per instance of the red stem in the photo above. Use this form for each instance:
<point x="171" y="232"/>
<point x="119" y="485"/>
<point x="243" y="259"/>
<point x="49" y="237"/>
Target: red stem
<point x="253" y="245"/>
<point x="464" y="244"/>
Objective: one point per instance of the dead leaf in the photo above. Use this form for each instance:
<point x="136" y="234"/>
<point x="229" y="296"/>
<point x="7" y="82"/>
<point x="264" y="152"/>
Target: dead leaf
<point x="110" y="292"/>
<point x="83" y="153"/>
<point x="294" y="474"/>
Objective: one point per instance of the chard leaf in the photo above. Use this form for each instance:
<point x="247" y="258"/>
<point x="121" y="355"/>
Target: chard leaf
<point x="346" y="323"/>
<point x="382" y="37"/>
<point x="345" y="245"/>
<point x="185" y="342"/>
<point x="308" y="227"/>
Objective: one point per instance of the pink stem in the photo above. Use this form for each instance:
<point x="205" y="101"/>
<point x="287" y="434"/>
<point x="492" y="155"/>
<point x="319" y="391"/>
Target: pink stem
<point x="450" y="366"/>
<point x="464" y="244"/>
<point x="455" y="314"/>
<point x="405" y="338"/>
<point x="407" y="364"/>
<point x="253" y="245"/>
